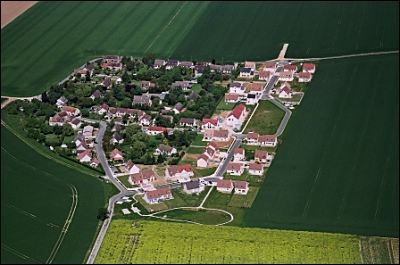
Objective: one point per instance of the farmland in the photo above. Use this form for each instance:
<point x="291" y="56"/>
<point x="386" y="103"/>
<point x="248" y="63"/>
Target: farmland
<point x="266" y="119"/>
<point x="338" y="165"/>
<point x="53" y="46"/>
<point x="36" y="198"/>
<point x="202" y="216"/>
<point x="160" y="242"/>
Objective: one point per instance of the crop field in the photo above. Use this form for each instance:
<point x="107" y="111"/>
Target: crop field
<point x="206" y="217"/>
<point x="266" y="119"/>
<point x="53" y="38"/>
<point x="36" y="198"/>
<point x="337" y="168"/>
<point x="140" y="242"/>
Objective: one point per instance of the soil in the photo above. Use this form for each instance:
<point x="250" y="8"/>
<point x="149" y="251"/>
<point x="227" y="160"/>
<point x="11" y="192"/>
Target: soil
<point x="12" y="9"/>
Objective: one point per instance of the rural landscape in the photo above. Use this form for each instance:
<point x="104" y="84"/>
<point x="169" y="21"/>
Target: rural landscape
<point x="200" y="132"/>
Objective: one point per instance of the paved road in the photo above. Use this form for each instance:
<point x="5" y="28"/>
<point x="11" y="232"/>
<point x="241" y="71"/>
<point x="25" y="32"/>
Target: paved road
<point x="222" y="167"/>
<point x="123" y="192"/>
<point x="285" y="119"/>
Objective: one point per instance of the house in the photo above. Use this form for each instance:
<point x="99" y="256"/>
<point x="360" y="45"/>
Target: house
<point x="171" y="63"/>
<point x="246" y="72"/>
<point x="290" y="68"/>
<point x="188" y="122"/>
<point x="216" y="68"/>
<point x="94" y="162"/>
<point x="156" y="196"/>
<point x="227" y="68"/>
<point x="216" y="135"/>
<point x="146" y="85"/>
<point x="106" y="83"/>
<point x="285" y="92"/>
<point x="309" y="67"/>
<point x="224" y="185"/>
<point x="304" y="77"/>
<point x="267" y="140"/>
<point x="286" y="76"/>
<point x="178" y="108"/>
<point x="82" y="147"/>
<point x="209" y="152"/>
<point x="192" y="187"/>
<point x="238" y="154"/>
<point x="116" y="79"/>
<point x="256" y="169"/>
<point x="117" y="138"/>
<point x="87" y="132"/>
<point x="234" y="169"/>
<point x="269" y="67"/>
<point x="96" y="94"/>
<point x="251" y="65"/>
<point x="231" y="98"/>
<point x="112" y="62"/>
<point x="71" y="111"/>
<point x="264" y="75"/>
<point x="85" y="156"/>
<point x="237" y="116"/>
<point x="236" y="88"/>
<point x="186" y="64"/>
<point x="143" y="100"/>
<point x="103" y="109"/>
<point x="158" y="63"/>
<point x="202" y="161"/>
<point x="145" y="120"/>
<point x="180" y="173"/>
<point x="254" y="88"/>
<point x="154" y="130"/>
<point x="131" y="167"/>
<point x="209" y="123"/>
<point x="193" y="96"/>
<point x="165" y="150"/>
<point x="185" y="85"/>
<point x="260" y="156"/>
<point x="61" y="101"/>
<point x="142" y="178"/>
<point x="75" y="123"/>
<point x="56" y="120"/>
<point x="241" y="187"/>
<point x="116" y="155"/>
<point x="252" y="99"/>
<point x="198" y="70"/>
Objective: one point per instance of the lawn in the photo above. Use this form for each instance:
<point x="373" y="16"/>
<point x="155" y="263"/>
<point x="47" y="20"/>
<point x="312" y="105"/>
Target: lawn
<point x="244" y="201"/>
<point x="253" y="180"/>
<point x="198" y="140"/>
<point x="36" y="198"/>
<point x="124" y="180"/>
<point x="41" y="38"/>
<point x="132" y="241"/>
<point x="266" y="119"/>
<point x="225" y="105"/>
<point x="204" y="171"/>
<point x="194" y="150"/>
<point x="337" y="167"/>
<point x="183" y="199"/>
<point x="206" y="217"/>
<point x="196" y="88"/>
<point x="151" y="207"/>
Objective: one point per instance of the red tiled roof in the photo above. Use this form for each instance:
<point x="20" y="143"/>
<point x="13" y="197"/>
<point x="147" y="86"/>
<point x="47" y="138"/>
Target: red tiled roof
<point x="287" y="89"/>
<point x="68" y="109"/>
<point x="115" y="152"/>
<point x="85" y="153"/>
<point x="178" y="169"/>
<point x="260" y="154"/>
<point x="224" y="183"/>
<point x="212" y="144"/>
<point x="234" y="166"/>
<point x="240" y="184"/>
<point x="266" y="138"/>
<point x="305" y="75"/>
<point x="238" y="151"/>
<point x="290" y="67"/>
<point x="157" y="129"/>
<point x="308" y="66"/>
<point x="231" y="96"/>
<point x="202" y="156"/>
<point x="264" y="74"/>
<point x="237" y="111"/>
<point x="254" y="87"/>
<point x="252" y="136"/>
<point x="221" y="133"/>
<point x="269" y="65"/>
<point x="212" y="121"/>
<point x="153" y="194"/>
<point x="255" y="166"/>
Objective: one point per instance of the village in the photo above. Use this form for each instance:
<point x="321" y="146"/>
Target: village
<point x="155" y="120"/>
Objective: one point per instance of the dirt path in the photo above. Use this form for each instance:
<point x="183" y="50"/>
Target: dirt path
<point x="12" y="9"/>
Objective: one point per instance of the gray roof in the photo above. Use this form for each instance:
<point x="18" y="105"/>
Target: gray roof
<point x="178" y="106"/>
<point x="251" y="96"/>
<point x="245" y="69"/>
<point x="194" y="184"/>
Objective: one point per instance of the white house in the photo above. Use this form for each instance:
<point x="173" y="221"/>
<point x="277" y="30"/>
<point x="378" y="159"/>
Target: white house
<point x="131" y="167"/>
<point x="286" y="76"/>
<point x="264" y="75"/>
<point x="267" y="140"/>
<point x="142" y="178"/>
<point x="224" y="185"/>
<point x="180" y="173"/>
<point x="238" y="154"/>
<point x="251" y="65"/>
<point x="154" y="130"/>
<point x="75" y="123"/>
<point x="260" y="156"/>
<point x="246" y="72"/>
<point x="290" y="68"/>
<point x="192" y="187"/>
<point x="156" y="196"/>
<point x="309" y="67"/>
<point x="85" y="156"/>
<point x="256" y="169"/>
<point x="237" y="116"/>
<point x="236" y="88"/>
<point x="235" y="169"/>
<point x="116" y="155"/>
<point x="71" y="111"/>
<point x="202" y="161"/>
<point x="269" y="66"/>
<point x="304" y="77"/>
<point x="231" y="98"/>
<point x="165" y="150"/>
<point x="241" y="187"/>
<point x="209" y="124"/>
<point x="61" y="101"/>
<point x="145" y="120"/>
<point x="216" y="135"/>
<point x="285" y="92"/>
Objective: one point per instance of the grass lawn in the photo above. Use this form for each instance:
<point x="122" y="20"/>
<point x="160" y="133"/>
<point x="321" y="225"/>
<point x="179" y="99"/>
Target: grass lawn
<point x="124" y="180"/>
<point x="266" y="119"/>
<point x="295" y="98"/>
<point x="152" y="207"/>
<point x="244" y="201"/>
<point x="204" y="171"/>
<point x="183" y="199"/>
<point x="133" y="241"/>
<point x="194" y="150"/>
<point x="196" y="88"/>
<point x="225" y="105"/>
<point x="198" y="140"/>
<point x="206" y="217"/>
<point x="253" y="180"/>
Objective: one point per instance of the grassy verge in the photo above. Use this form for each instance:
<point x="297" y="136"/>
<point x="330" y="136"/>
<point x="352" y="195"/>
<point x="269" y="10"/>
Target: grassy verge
<point x="183" y="199"/>
<point x="207" y="217"/>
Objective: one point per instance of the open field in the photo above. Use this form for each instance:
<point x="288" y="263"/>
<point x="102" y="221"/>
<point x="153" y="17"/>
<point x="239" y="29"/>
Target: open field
<point x="36" y="197"/>
<point x="376" y="250"/>
<point x="161" y="242"/>
<point x="266" y="120"/>
<point x="10" y="10"/>
<point x="206" y="217"/>
<point x="42" y="37"/>
<point x="338" y="164"/>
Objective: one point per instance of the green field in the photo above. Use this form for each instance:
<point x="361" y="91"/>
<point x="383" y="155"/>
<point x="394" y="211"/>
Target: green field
<point x="337" y="168"/>
<point x="225" y="105"/>
<point x="266" y="119"/>
<point x="206" y="217"/>
<point x="49" y="40"/>
<point x="35" y="200"/>
<point x="177" y="243"/>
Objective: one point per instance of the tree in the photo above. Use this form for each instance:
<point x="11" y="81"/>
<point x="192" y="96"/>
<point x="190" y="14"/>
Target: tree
<point x="45" y="98"/>
<point x="126" y="78"/>
<point x="85" y="112"/>
<point x="67" y="130"/>
<point x="148" y="59"/>
<point x="103" y="214"/>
